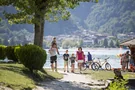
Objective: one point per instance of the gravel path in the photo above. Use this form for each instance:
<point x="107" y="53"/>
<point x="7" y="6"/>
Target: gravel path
<point x="72" y="81"/>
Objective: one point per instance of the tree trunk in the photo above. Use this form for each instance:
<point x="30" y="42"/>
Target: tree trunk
<point x="39" y="32"/>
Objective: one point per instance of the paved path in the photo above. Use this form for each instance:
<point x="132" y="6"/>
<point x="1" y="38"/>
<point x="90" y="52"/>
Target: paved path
<point x="72" y="81"/>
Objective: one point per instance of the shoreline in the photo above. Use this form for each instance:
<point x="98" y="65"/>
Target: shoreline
<point x="92" y="49"/>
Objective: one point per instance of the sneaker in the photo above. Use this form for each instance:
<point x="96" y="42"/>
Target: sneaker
<point x="67" y="71"/>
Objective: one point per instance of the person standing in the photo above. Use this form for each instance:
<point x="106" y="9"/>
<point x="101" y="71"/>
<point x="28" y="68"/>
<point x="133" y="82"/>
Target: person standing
<point x="66" y="58"/>
<point x="123" y="61"/>
<point x="72" y="59"/>
<point x="53" y="56"/>
<point x="54" y="41"/>
<point x="89" y="56"/>
<point x="127" y="59"/>
<point x="80" y="58"/>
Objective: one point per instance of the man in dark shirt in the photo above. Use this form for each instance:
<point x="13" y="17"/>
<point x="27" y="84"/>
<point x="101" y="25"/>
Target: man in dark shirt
<point x="66" y="58"/>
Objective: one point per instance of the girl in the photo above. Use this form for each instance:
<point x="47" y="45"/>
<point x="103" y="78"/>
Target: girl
<point x="72" y="59"/>
<point x="80" y="58"/>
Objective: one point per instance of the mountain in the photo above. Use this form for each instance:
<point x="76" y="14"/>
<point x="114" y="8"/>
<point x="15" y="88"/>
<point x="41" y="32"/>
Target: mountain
<point x="111" y="17"/>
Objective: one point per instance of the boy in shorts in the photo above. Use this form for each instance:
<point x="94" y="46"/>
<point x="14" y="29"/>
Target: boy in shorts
<point x="65" y="58"/>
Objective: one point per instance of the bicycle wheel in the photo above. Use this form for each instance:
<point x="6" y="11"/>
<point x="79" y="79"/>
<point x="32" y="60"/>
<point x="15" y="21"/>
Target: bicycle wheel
<point x="108" y="66"/>
<point x="95" y="66"/>
<point x="84" y="67"/>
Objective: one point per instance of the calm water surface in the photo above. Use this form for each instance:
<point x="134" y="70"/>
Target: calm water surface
<point x="114" y="60"/>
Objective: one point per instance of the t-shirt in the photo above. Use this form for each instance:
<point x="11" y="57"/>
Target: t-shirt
<point x="66" y="56"/>
<point x="89" y="57"/>
<point x="54" y="42"/>
<point x="72" y="59"/>
<point x="53" y="51"/>
<point x="80" y="55"/>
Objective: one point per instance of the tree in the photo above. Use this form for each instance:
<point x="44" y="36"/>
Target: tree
<point x="117" y="43"/>
<point x="105" y="43"/>
<point x="37" y="11"/>
<point x="1" y="42"/>
<point x="111" y="44"/>
<point x="95" y="41"/>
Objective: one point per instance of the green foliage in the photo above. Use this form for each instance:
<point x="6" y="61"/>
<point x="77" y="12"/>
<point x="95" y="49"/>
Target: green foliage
<point x="2" y="52"/>
<point x="105" y="43"/>
<point x="32" y="57"/>
<point x="16" y="52"/>
<point x="29" y="10"/>
<point x="111" y="44"/>
<point x="117" y="44"/>
<point x="119" y="85"/>
<point x="10" y="53"/>
<point x="69" y="43"/>
<point x="104" y="18"/>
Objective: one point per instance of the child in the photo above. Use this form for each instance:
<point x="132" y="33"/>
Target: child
<point x="72" y="59"/>
<point x="66" y="57"/>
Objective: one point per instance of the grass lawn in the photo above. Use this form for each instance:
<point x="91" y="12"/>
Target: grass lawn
<point x="17" y="77"/>
<point x="104" y="75"/>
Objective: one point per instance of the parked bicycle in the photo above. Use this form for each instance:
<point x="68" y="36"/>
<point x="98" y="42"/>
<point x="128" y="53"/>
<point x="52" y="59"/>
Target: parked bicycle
<point x="90" y="65"/>
<point x="105" y="64"/>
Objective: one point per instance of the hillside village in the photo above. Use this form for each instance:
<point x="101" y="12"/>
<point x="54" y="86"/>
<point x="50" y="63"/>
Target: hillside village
<point x="90" y="38"/>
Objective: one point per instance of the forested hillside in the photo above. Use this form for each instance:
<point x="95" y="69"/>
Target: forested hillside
<point x="107" y="16"/>
<point x="115" y="16"/>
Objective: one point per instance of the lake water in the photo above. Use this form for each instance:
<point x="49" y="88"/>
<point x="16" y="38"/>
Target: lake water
<point x="114" y="60"/>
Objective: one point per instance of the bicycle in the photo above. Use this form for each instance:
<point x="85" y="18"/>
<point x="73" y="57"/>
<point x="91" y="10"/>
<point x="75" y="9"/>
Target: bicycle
<point x="94" y="65"/>
<point x="105" y="63"/>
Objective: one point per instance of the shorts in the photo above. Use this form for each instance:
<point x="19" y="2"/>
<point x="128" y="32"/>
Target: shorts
<point x="65" y="62"/>
<point x="80" y="61"/>
<point x="72" y="63"/>
<point x="53" y="59"/>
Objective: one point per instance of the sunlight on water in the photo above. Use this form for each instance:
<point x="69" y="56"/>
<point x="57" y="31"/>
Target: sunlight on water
<point x="114" y="60"/>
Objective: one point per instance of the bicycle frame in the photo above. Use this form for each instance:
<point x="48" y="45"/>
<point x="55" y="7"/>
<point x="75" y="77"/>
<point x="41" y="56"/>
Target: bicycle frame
<point x="101" y="64"/>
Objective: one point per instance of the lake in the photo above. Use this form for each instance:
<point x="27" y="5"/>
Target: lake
<point x="114" y="60"/>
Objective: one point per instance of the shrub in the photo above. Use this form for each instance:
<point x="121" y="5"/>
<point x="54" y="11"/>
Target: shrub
<point x="2" y="52"/>
<point x="119" y="84"/>
<point x="16" y="51"/>
<point x="10" y="53"/>
<point x="32" y="57"/>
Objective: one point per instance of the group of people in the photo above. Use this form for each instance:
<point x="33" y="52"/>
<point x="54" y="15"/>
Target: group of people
<point x="127" y="60"/>
<point x="79" y="58"/>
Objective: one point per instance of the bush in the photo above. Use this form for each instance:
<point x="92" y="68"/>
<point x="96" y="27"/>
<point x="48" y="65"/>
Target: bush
<point x="10" y="53"/>
<point x="16" y="51"/>
<point x="119" y="85"/>
<point x="32" y="57"/>
<point x="2" y="52"/>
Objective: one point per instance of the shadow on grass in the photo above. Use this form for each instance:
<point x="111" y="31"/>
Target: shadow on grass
<point x="36" y="75"/>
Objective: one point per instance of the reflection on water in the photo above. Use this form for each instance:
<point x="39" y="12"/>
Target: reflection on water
<point x="114" y="60"/>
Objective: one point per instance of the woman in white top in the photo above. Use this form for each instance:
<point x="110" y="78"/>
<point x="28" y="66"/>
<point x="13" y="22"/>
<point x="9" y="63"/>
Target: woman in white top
<point x="53" y="56"/>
